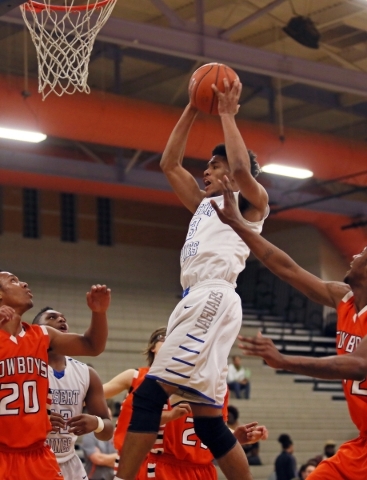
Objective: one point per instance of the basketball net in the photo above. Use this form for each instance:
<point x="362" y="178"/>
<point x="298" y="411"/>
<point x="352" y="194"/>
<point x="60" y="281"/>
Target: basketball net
<point x="64" y="36"/>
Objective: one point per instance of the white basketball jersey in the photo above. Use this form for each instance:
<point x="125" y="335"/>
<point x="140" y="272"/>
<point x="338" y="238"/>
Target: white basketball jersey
<point x="68" y="394"/>
<point x="212" y="249"/>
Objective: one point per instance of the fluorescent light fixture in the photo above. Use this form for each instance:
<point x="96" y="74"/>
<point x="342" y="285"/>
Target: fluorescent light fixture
<point x="22" y="135"/>
<point x="287" y="171"/>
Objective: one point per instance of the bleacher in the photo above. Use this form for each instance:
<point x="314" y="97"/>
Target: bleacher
<point x="290" y="319"/>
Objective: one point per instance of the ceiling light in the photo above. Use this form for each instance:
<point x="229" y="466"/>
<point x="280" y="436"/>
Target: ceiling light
<point x="287" y="171"/>
<point x="303" y="31"/>
<point x="22" y="135"/>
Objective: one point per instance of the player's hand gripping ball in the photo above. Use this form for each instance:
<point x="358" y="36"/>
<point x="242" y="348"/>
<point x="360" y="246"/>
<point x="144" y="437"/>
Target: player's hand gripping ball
<point x="201" y="94"/>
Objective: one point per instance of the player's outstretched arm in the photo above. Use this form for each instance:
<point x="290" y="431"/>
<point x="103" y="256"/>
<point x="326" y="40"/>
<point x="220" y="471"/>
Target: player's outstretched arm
<point x="237" y="154"/>
<point x="93" y="342"/>
<point x="183" y="183"/>
<point x="118" y="384"/>
<point x="96" y="407"/>
<point x="352" y="366"/>
<point x="277" y="261"/>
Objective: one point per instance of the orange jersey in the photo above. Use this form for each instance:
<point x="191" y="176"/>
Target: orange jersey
<point x="178" y="438"/>
<point x="38" y="463"/>
<point x="349" y="463"/>
<point x="352" y="327"/>
<point x="127" y="410"/>
<point x="24" y="398"/>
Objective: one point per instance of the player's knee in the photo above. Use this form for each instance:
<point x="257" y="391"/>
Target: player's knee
<point x="215" y="434"/>
<point x="148" y="402"/>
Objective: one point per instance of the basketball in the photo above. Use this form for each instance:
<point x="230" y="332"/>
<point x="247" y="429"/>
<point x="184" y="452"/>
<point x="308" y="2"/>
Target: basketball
<point x="201" y="94"/>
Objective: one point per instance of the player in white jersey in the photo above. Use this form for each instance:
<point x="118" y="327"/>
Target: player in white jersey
<point x="72" y="383"/>
<point x="192" y="363"/>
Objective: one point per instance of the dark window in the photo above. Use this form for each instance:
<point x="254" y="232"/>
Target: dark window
<point x="104" y="221"/>
<point x="68" y="217"/>
<point x="30" y="213"/>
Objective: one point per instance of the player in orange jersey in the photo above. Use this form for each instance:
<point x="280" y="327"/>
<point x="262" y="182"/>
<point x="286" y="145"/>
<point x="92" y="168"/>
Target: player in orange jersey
<point x="350" y="365"/>
<point x="24" y="393"/>
<point x="130" y="380"/>
<point x="177" y="452"/>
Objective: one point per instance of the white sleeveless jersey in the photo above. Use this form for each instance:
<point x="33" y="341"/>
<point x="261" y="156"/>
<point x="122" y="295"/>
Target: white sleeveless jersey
<point x="212" y="249"/>
<point x="68" y="394"/>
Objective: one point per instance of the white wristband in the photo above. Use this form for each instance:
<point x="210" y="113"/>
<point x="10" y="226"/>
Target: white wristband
<point x="100" y="424"/>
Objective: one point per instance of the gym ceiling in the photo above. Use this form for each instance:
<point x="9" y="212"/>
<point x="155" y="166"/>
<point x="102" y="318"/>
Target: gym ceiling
<point x="303" y="104"/>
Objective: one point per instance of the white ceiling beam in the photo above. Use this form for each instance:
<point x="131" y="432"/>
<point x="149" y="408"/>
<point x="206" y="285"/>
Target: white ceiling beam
<point x="173" y="18"/>
<point x="200" y="13"/>
<point x="190" y="44"/>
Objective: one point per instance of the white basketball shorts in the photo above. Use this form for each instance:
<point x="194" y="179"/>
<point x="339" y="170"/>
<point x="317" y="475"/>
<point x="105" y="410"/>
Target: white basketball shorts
<point x="201" y="331"/>
<point x="73" y="469"/>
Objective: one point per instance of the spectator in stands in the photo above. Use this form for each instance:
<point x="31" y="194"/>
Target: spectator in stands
<point x="305" y="470"/>
<point x="117" y="408"/>
<point x="99" y="457"/>
<point x="285" y="463"/>
<point x="329" y="451"/>
<point x="233" y="415"/>
<point x="252" y="453"/>
<point x="238" y="378"/>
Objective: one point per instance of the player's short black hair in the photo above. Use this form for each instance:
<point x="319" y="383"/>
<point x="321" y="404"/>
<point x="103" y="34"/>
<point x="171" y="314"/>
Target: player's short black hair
<point x="37" y="318"/>
<point x="233" y="411"/>
<point x="285" y="440"/>
<point x="220" y="150"/>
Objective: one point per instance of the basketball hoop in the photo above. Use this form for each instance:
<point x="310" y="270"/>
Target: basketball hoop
<point x="64" y="36"/>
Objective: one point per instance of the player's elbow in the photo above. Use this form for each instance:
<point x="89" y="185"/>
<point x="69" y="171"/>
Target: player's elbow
<point x="93" y="350"/>
<point x="96" y="351"/>
<point x="163" y="164"/>
<point x="166" y="164"/>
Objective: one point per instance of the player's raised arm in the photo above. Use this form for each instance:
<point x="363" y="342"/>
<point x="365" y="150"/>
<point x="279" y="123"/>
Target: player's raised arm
<point x="93" y="342"/>
<point x="183" y="183"/>
<point x="118" y="384"/>
<point x="277" y="261"/>
<point x="237" y="153"/>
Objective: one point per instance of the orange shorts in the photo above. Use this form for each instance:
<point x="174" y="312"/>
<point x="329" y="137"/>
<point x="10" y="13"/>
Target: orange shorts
<point x="141" y="474"/>
<point x="349" y="463"/>
<point x="167" y="467"/>
<point x="35" y="463"/>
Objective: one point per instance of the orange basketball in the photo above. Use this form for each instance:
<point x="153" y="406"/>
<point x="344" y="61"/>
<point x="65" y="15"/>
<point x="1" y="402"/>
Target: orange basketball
<point x="202" y="96"/>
